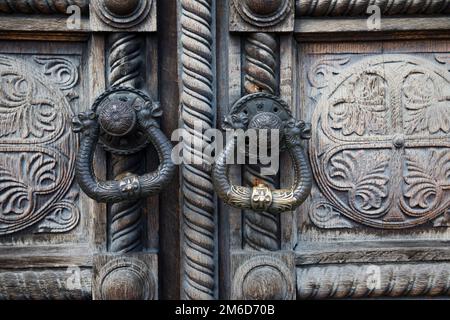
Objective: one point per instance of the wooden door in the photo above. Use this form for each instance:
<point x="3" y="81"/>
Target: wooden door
<point x="373" y="82"/>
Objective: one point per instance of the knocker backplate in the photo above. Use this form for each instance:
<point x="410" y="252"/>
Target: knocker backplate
<point x="119" y="132"/>
<point x="258" y="111"/>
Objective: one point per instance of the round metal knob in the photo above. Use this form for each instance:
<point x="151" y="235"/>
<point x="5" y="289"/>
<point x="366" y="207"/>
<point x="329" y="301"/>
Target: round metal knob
<point x="117" y="118"/>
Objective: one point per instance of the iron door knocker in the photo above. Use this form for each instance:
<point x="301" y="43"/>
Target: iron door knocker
<point x="265" y="111"/>
<point x="118" y="113"/>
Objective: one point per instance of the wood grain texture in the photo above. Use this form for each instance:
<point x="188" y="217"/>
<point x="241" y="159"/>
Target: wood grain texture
<point x="53" y="284"/>
<point x="36" y="164"/>
<point x="261" y="16"/>
<point x="370" y="281"/>
<point x="332" y="29"/>
<point x="125" y="62"/>
<point x="170" y="206"/>
<point x="395" y="188"/>
<point x="33" y="27"/>
<point x="197" y="111"/>
<point x="262" y="276"/>
<point x="125" y="277"/>
<point x="42" y="6"/>
<point x="123" y="16"/>
<point x="338" y="8"/>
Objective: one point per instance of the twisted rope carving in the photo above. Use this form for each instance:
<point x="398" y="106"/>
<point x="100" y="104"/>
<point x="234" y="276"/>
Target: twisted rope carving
<point x="197" y="108"/>
<point x="356" y="281"/>
<point x="58" y="284"/>
<point x="42" y="6"/>
<point x="260" y="229"/>
<point x="126" y="222"/>
<point x="125" y="65"/>
<point x="334" y="8"/>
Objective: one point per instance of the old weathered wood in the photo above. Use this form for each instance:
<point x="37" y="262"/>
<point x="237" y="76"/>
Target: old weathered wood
<point x="42" y="6"/>
<point x="128" y="16"/>
<point x="130" y="276"/>
<point x="199" y="275"/>
<point x="261" y="230"/>
<point x="48" y="227"/>
<point x="261" y="16"/>
<point x="338" y="8"/>
<point x="325" y="27"/>
<point x="169" y="210"/>
<point x="369" y="234"/>
<point x="263" y="276"/>
<point x="54" y="284"/>
<point x="394" y="205"/>
<point x="370" y="281"/>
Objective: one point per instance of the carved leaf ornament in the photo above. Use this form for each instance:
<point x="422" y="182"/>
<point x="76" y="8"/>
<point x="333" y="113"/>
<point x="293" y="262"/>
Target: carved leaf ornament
<point x="381" y="148"/>
<point x="36" y="166"/>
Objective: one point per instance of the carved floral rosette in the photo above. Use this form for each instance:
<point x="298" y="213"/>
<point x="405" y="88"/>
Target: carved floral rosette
<point x="37" y="164"/>
<point x="380" y="151"/>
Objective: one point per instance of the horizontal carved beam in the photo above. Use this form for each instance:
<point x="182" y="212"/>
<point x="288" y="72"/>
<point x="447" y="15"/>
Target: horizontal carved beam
<point x="341" y="8"/>
<point x="42" y="6"/>
<point x="369" y="281"/>
<point x="57" y="284"/>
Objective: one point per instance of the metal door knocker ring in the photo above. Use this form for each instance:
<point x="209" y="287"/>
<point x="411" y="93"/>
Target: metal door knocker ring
<point x="123" y="120"/>
<point x="265" y="111"/>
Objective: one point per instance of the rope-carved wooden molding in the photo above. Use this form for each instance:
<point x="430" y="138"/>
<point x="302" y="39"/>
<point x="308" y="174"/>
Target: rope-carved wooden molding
<point x="197" y="107"/>
<point x="342" y="8"/>
<point x="42" y="6"/>
<point x="369" y="281"/>
<point x="125" y="69"/>
<point x="261" y="230"/>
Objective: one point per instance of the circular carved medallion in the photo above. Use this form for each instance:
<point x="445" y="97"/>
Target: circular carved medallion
<point x="126" y="278"/>
<point x="263" y="13"/>
<point x="122" y="14"/>
<point x="263" y="278"/>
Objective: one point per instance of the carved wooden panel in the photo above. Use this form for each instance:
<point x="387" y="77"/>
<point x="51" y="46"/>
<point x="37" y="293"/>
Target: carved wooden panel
<point x="380" y="149"/>
<point x="40" y="91"/>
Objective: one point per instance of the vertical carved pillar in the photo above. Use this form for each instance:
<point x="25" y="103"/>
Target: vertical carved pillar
<point x="261" y="230"/>
<point x="125" y="69"/>
<point x="197" y="112"/>
<point x="125" y="271"/>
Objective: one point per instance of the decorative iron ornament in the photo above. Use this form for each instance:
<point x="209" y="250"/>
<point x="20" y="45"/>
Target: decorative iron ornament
<point x="260" y="198"/>
<point x="88" y="123"/>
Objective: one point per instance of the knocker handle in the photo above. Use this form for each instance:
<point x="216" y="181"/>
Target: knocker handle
<point x="259" y="111"/>
<point x="120" y="112"/>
